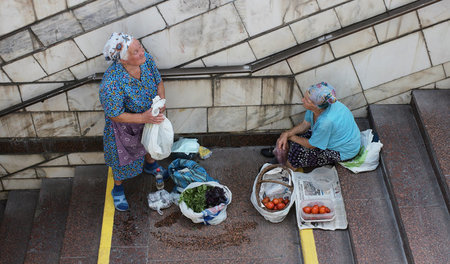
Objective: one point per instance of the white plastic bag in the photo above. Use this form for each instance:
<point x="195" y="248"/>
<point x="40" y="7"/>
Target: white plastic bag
<point x="368" y="157"/>
<point x="159" y="200"/>
<point x="186" y="145"/>
<point x="274" y="216"/>
<point x="158" y="138"/>
<point x="210" y="216"/>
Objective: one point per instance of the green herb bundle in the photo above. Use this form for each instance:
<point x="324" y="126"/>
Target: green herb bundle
<point x="195" y="198"/>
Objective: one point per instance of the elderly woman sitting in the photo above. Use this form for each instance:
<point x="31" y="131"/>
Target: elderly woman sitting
<point x="126" y="92"/>
<point x="327" y="135"/>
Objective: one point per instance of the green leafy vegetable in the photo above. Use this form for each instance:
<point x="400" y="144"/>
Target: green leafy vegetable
<point x="195" y="197"/>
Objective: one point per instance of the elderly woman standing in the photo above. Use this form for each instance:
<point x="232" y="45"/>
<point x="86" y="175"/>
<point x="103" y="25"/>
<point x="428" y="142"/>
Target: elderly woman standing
<point x="126" y="92"/>
<point x="327" y="135"/>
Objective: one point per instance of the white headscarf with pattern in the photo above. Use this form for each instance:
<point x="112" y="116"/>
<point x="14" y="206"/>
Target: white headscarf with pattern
<point x="117" y="46"/>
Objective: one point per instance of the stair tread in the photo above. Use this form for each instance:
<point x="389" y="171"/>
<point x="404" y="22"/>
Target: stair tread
<point x="413" y="181"/>
<point x="368" y="212"/>
<point x="434" y="111"/>
<point x="16" y="225"/>
<point x="49" y="221"/>
<point x="84" y="220"/>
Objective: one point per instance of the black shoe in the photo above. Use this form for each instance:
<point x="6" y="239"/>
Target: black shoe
<point x="267" y="152"/>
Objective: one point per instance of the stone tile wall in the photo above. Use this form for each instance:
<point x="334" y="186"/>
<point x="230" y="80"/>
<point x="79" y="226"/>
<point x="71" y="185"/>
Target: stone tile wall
<point x="58" y="41"/>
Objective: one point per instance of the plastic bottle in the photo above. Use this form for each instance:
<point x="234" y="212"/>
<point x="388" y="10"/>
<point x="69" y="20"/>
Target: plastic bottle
<point x="159" y="180"/>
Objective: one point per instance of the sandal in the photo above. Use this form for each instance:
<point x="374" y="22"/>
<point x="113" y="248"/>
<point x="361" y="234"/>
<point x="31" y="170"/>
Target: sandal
<point x="120" y="202"/>
<point x="267" y="152"/>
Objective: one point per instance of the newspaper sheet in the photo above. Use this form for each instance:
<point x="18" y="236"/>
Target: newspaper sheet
<point x="306" y="189"/>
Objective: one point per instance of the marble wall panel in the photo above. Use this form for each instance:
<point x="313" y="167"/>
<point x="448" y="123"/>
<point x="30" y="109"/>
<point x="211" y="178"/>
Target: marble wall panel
<point x="391" y="4"/>
<point x="72" y="3"/>
<point x="359" y="10"/>
<point x="277" y="69"/>
<point x="84" y="98"/>
<point x="404" y="98"/>
<point x="175" y="11"/>
<point x="444" y="84"/>
<point x="391" y="60"/>
<point x="98" y="13"/>
<point x="61" y="76"/>
<point x="56" y="124"/>
<point x="56" y="172"/>
<point x="188" y="120"/>
<point x="25" y="174"/>
<point x="404" y="84"/>
<point x="258" y="116"/>
<point x="17" y="125"/>
<point x="354" y="42"/>
<point x="283" y="124"/>
<point x="21" y="184"/>
<point x="10" y="96"/>
<point x="132" y="6"/>
<point x="3" y="172"/>
<point x="226" y="119"/>
<point x="17" y="45"/>
<point x="315" y="26"/>
<point x="217" y="3"/>
<point x="59" y="57"/>
<point x="14" y="163"/>
<point x="323" y="4"/>
<point x="61" y="161"/>
<point x="447" y="69"/>
<point x="56" y="103"/>
<point x="83" y="158"/>
<point x="91" y="123"/>
<point x="188" y="93"/>
<point x="237" y="55"/>
<point x="434" y="13"/>
<point x="273" y="42"/>
<point x="29" y="91"/>
<point x="137" y="25"/>
<point x="298" y="118"/>
<point x="90" y="67"/>
<point x="340" y="74"/>
<point x="355" y="101"/>
<point x="361" y="112"/>
<point x="3" y="77"/>
<point x="261" y="15"/>
<point x="24" y="70"/>
<point x="196" y="37"/>
<point x="280" y="91"/>
<point x="232" y="92"/>
<point x="45" y="8"/>
<point x="15" y="14"/>
<point x="438" y="39"/>
<point x="396" y="27"/>
<point x="57" y="28"/>
<point x="311" y="58"/>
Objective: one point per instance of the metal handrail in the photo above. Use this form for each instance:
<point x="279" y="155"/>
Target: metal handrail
<point x="248" y="68"/>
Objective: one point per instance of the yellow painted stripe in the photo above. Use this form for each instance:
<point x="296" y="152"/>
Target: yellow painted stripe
<point x="308" y="247"/>
<point x="108" y="221"/>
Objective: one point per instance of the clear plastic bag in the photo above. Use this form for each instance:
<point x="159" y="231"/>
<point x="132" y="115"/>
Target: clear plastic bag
<point x="159" y="200"/>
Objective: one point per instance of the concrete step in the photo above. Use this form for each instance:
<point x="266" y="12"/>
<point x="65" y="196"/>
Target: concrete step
<point x="84" y="220"/>
<point x="432" y="110"/>
<point x="369" y="212"/>
<point x="417" y="201"/>
<point x="16" y="226"/>
<point x="49" y="221"/>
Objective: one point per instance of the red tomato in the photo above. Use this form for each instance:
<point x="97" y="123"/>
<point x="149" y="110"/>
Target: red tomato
<point x="322" y="210"/>
<point x="269" y="205"/>
<point x="315" y="210"/>
<point x="275" y="201"/>
<point x="280" y="206"/>
<point x="265" y="200"/>
<point x="307" y="209"/>
<point x="286" y="201"/>
<point x="327" y="210"/>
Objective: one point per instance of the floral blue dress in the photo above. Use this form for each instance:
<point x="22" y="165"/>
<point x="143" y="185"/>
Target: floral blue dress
<point x="120" y="92"/>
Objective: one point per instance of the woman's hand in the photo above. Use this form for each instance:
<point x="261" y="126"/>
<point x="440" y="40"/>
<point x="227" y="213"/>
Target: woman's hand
<point x="147" y="117"/>
<point x="282" y="142"/>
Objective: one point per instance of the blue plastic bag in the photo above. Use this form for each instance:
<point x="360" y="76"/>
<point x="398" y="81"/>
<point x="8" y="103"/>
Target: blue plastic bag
<point x="184" y="171"/>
